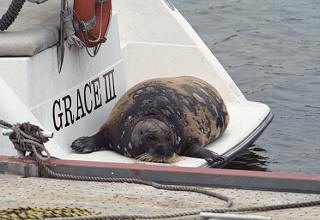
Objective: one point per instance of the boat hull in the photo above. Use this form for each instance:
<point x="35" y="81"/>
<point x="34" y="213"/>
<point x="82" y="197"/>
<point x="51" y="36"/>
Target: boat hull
<point x="77" y="101"/>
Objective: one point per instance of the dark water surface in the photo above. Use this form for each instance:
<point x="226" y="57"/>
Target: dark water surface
<point x="271" y="49"/>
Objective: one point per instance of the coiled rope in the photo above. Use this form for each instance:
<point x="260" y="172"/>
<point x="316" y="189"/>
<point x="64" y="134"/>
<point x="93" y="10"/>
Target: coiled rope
<point x="28" y="138"/>
<point x="43" y="213"/>
<point x="8" y="18"/>
<point x="193" y="213"/>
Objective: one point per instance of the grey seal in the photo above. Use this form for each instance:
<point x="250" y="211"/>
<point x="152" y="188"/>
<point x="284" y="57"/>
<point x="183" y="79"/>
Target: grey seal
<point x="160" y="119"/>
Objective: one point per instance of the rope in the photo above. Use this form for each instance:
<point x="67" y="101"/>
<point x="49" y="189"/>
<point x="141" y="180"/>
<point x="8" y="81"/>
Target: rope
<point x="42" y="213"/>
<point x="193" y="213"/>
<point x="4" y="124"/>
<point x="86" y="35"/>
<point x="8" y="18"/>
<point x="28" y="137"/>
<point x="67" y="19"/>
<point x="34" y="144"/>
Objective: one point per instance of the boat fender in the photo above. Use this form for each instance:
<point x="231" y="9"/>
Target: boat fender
<point x="91" y="20"/>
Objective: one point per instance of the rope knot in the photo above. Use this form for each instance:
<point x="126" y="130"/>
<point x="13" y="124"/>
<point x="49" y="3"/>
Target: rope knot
<point x="27" y="137"/>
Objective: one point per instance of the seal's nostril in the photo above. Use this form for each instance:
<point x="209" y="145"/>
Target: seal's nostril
<point x="161" y="151"/>
<point x="152" y="138"/>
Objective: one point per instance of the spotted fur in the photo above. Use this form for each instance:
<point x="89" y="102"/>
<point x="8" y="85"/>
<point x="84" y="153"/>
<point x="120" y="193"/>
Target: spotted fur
<point x="192" y="110"/>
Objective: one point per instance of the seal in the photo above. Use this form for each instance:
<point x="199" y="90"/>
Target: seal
<point x="160" y="119"/>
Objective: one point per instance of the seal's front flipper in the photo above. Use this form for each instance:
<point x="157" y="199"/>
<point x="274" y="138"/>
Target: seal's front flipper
<point x="201" y="152"/>
<point x="86" y="145"/>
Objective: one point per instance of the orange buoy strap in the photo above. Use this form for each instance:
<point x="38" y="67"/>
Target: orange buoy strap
<point x="85" y="25"/>
<point x="91" y="20"/>
<point x="99" y="11"/>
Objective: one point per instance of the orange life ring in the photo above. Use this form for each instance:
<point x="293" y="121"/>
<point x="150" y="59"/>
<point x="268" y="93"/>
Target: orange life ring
<point x="91" y="20"/>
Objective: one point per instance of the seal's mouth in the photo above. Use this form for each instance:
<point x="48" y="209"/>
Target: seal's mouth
<point x="147" y="157"/>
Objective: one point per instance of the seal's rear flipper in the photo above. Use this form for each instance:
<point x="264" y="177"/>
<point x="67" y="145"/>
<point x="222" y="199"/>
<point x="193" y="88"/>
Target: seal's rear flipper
<point x="88" y="144"/>
<point x="201" y="152"/>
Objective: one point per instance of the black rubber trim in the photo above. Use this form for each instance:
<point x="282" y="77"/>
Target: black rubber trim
<point x="245" y="143"/>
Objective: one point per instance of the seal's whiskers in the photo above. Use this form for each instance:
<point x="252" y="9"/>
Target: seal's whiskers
<point x="175" y="158"/>
<point x="145" y="157"/>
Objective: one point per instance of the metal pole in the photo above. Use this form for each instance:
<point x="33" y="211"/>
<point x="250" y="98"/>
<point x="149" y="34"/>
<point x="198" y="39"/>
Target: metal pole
<point x="8" y="132"/>
<point x="227" y="216"/>
<point x="60" y="49"/>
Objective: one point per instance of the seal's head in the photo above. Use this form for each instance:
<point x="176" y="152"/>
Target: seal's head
<point x="155" y="139"/>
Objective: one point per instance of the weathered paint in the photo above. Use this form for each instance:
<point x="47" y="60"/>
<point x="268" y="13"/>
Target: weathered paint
<point x="272" y="181"/>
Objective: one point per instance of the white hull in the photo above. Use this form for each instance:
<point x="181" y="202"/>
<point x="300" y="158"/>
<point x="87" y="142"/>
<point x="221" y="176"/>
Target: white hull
<point x="146" y="39"/>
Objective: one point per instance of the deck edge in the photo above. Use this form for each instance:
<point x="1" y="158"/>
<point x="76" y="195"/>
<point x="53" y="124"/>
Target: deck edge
<point x="209" y="177"/>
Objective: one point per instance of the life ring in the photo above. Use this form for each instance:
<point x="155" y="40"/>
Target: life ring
<point x="91" y="20"/>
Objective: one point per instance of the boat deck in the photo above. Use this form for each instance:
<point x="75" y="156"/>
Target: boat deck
<point x="124" y="198"/>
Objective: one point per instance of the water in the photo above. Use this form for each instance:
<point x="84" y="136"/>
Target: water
<point x="271" y="49"/>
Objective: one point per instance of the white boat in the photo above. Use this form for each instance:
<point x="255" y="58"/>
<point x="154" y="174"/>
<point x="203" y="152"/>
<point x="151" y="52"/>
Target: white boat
<point x="145" y="39"/>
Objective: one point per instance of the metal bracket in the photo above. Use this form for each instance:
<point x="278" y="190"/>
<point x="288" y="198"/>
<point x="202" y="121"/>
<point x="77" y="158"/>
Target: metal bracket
<point x="228" y="216"/>
<point x="8" y="132"/>
<point x="60" y="48"/>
